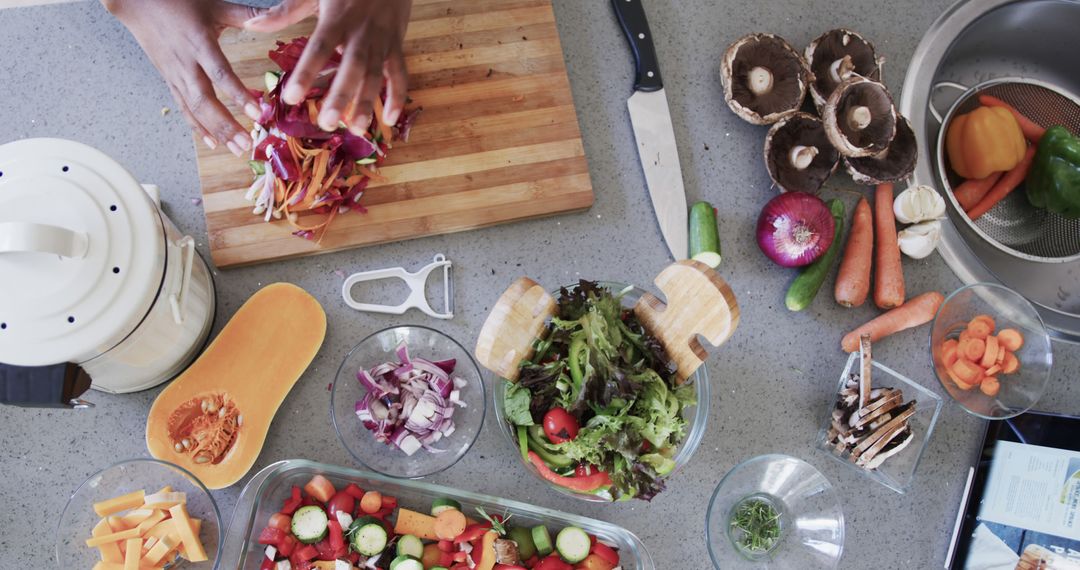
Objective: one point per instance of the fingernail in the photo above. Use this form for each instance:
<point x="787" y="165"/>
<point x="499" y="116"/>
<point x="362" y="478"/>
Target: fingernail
<point x="242" y="141"/>
<point x="211" y="143"/>
<point x="329" y="118"/>
<point x="255" y="21"/>
<point x="252" y="110"/>
<point x="234" y="148"/>
<point x="293" y="94"/>
<point x="393" y="117"/>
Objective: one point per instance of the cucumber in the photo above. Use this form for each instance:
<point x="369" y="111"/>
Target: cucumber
<point x="704" y="237"/>
<point x="271" y="79"/>
<point x="409" y="545"/>
<point x="368" y="536"/>
<point x="310" y="524"/>
<point x="406" y="563"/>
<point x="542" y="540"/>
<point x="443" y="504"/>
<point x="573" y="544"/>
<point x="809" y="281"/>
<point x="524" y="540"/>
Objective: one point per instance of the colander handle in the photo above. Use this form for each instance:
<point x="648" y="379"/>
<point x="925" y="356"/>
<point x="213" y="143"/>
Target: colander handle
<point x="16" y="237"/>
<point x="937" y="87"/>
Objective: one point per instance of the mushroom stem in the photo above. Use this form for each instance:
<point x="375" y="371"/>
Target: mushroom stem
<point x="859" y="118"/>
<point x="801" y="156"/>
<point x="760" y="80"/>
<point x="841" y="69"/>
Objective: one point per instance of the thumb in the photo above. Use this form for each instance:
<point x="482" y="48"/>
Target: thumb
<point x="234" y="15"/>
<point x="285" y="14"/>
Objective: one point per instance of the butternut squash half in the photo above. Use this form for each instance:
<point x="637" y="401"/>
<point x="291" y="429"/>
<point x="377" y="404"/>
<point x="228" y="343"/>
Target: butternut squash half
<point x="213" y="418"/>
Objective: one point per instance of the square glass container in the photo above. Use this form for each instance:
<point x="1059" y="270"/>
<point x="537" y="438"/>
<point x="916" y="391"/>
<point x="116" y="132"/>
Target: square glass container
<point x="898" y="471"/>
<point x="267" y="490"/>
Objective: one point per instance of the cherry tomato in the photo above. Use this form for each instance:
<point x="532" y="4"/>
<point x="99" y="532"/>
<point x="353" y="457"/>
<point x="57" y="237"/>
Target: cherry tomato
<point x="606" y="552"/>
<point x="341" y="501"/>
<point x="560" y="426"/>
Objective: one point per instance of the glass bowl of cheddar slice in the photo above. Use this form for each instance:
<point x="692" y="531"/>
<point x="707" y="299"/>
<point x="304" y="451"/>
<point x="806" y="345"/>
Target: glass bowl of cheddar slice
<point x="152" y="511"/>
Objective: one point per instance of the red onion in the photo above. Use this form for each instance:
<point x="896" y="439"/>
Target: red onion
<point x="410" y="404"/>
<point x="795" y="228"/>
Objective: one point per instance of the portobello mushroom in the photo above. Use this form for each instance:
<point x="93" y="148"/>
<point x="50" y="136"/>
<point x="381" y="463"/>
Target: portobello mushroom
<point x="860" y="118"/>
<point x="836" y="56"/>
<point x="894" y="163"/>
<point x="798" y="154"/>
<point x="764" y="78"/>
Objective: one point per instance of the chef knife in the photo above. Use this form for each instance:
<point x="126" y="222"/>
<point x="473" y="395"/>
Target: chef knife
<point x="655" y="136"/>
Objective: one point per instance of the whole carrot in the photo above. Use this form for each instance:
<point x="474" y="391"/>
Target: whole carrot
<point x="1032" y="132"/>
<point x="1007" y="184"/>
<point x="853" y="279"/>
<point x="971" y="191"/>
<point x="917" y="311"/>
<point x="888" y="273"/>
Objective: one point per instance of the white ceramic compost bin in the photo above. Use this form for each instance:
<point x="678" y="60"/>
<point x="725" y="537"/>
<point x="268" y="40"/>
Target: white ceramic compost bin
<point x="96" y="283"/>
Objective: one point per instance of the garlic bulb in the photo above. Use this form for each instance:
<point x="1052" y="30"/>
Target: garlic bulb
<point x="918" y="204"/>
<point x="920" y="240"/>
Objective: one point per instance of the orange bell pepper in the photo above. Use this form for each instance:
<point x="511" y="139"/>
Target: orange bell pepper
<point x="984" y="141"/>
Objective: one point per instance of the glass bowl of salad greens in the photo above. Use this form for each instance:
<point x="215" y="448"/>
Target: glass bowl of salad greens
<point x="597" y="412"/>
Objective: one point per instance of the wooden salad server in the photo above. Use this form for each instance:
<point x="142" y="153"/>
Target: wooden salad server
<point x="698" y="302"/>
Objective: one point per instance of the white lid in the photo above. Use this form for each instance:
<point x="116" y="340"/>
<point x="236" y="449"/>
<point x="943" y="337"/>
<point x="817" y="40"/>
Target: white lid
<point x="59" y="195"/>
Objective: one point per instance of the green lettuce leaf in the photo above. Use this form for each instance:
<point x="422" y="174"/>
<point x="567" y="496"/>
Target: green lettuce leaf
<point x="516" y="403"/>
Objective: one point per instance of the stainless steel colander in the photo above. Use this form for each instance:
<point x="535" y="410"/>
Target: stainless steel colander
<point x="1014" y="226"/>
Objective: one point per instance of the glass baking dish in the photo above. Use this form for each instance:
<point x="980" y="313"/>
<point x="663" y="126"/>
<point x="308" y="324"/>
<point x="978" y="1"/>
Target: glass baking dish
<point x="267" y="490"/>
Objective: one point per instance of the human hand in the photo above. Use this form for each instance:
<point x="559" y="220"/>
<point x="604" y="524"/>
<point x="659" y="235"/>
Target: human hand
<point x="181" y="39"/>
<point x="369" y="35"/>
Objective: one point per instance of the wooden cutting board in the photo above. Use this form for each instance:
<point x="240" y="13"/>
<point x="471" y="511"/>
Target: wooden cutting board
<point x="498" y="139"/>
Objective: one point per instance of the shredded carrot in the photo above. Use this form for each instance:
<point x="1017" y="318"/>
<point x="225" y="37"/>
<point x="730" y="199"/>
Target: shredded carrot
<point x="330" y="180"/>
<point x="371" y="174"/>
<point x="313" y="112"/>
<point x="354" y="180"/>
<point x="384" y="129"/>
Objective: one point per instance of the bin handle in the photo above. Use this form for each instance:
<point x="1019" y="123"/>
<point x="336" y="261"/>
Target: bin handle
<point x="19" y="237"/>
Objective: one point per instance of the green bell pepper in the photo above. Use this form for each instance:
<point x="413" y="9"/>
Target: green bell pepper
<point x="1054" y="180"/>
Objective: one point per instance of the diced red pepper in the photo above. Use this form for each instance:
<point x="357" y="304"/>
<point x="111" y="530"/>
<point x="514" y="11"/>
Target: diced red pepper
<point x="287" y="545"/>
<point x="552" y="562"/>
<point x="388" y="501"/>
<point x="326" y="550"/>
<point x="606" y="552"/>
<point x="532" y="561"/>
<point x="472" y="532"/>
<point x="270" y="535"/>
<point x="267" y="564"/>
<point x="293" y="502"/>
<point x="337" y="537"/>
<point x="384" y="512"/>
<point x="356" y="492"/>
<point x="581" y="484"/>
<point x="446" y="546"/>
<point x="509" y="567"/>
<point x="307" y="552"/>
<point x="446" y="559"/>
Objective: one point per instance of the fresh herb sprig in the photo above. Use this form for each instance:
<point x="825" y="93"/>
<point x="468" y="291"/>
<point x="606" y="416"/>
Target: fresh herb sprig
<point x="496" y="525"/>
<point x="757" y="524"/>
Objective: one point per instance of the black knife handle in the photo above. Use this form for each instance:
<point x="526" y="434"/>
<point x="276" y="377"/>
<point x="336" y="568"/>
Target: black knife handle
<point x="631" y="15"/>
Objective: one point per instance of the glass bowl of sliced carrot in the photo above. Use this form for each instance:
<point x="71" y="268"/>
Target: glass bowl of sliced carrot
<point x="139" y="513"/>
<point x="991" y="350"/>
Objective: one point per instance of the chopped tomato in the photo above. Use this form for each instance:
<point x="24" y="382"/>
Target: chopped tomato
<point x="320" y="488"/>
<point x="270" y="535"/>
<point x="293" y="502"/>
<point x="606" y="552"/>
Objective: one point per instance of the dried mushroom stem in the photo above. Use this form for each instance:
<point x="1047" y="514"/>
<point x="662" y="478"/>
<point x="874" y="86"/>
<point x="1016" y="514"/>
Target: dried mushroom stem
<point x="760" y="80"/>
<point x="802" y="156"/>
<point x="866" y="369"/>
<point x="859" y="117"/>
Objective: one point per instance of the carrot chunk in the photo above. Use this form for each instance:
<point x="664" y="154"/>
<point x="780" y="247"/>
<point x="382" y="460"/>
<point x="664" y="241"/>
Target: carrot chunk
<point x="1010" y="364"/>
<point x="1011" y="339"/>
<point x="989" y="356"/>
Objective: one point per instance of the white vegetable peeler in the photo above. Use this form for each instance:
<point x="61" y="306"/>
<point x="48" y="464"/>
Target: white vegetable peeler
<point x="417" y="283"/>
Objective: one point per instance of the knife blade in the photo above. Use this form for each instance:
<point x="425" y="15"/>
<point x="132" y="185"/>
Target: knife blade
<point x="653" y="131"/>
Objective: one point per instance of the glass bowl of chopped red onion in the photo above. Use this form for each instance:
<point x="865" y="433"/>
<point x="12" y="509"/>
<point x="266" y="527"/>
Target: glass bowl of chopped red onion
<point x="408" y="401"/>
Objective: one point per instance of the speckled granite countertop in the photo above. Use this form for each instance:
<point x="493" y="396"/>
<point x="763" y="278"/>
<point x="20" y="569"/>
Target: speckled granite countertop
<point x="70" y="70"/>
